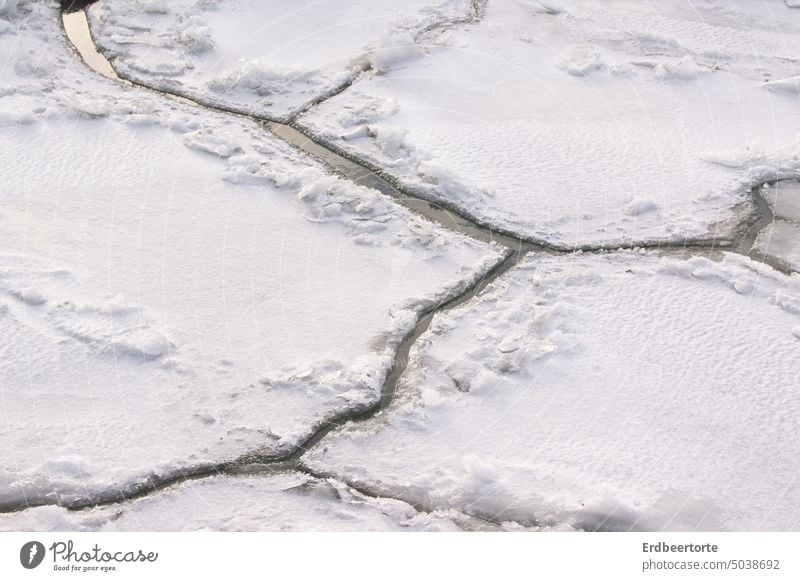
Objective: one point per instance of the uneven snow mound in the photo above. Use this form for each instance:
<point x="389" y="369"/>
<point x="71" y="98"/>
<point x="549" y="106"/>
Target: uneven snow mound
<point x="265" y="57"/>
<point x="280" y="503"/>
<point x="625" y="391"/>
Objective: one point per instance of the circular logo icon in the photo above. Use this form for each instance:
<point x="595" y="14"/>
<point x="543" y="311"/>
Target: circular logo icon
<point x="31" y="554"/>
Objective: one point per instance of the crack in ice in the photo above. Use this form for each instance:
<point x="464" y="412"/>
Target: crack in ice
<point x="359" y="171"/>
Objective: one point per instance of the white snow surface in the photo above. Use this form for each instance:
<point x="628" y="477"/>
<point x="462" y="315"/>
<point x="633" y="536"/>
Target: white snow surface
<point x="266" y="57"/>
<point x="279" y="503"/>
<point x="177" y="287"/>
<point x="625" y="391"/>
<point x="587" y="123"/>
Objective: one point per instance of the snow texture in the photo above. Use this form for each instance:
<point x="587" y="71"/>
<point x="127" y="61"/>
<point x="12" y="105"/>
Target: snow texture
<point x="177" y="287"/>
<point x="614" y="392"/>
<point x="586" y="123"/>
<point x="281" y="503"/>
<point x="266" y="57"/>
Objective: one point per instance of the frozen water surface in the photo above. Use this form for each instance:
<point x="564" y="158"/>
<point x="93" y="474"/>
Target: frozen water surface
<point x="179" y="288"/>
<point x="580" y="123"/>
<point x="283" y="502"/>
<point x="266" y="57"/>
<point x="614" y="392"/>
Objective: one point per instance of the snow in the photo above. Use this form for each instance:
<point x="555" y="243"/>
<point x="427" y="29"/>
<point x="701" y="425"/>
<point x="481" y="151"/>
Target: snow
<point x="282" y="502"/>
<point x="780" y="243"/>
<point x="269" y="57"/>
<point x="586" y="123"/>
<point x="178" y="287"/>
<point x="627" y="390"/>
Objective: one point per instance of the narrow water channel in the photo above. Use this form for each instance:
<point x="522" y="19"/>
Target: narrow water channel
<point x="79" y="34"/>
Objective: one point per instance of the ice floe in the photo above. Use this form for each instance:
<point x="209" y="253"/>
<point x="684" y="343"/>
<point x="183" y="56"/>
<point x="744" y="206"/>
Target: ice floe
<point x="179" y="287"/>
<point x="559" y="124"/>
<point x="619" y="391"/>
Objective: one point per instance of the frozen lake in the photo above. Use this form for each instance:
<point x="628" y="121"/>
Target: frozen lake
<point x="451" y="265"/>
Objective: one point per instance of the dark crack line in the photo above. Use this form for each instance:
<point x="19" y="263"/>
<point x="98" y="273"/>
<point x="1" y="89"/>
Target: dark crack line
<point x="331" y="156"/>
<point x="365" y="68"/>
<point x="289" y="460"/>
<point x="312" y="142"/>
<point x="283" y="461"/>
<point x="456" y="219"/>
<point x="467" y="521"/>
<point x="477" y="12"/>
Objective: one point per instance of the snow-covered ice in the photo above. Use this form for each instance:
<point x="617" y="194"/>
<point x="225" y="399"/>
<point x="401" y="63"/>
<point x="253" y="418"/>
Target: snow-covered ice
<point x="177" y="287"/>
<point x="267" y="57"/>
<point x="586" y="123"/>
<point x="617" y="391"/>
<point x="283" y="502"/>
